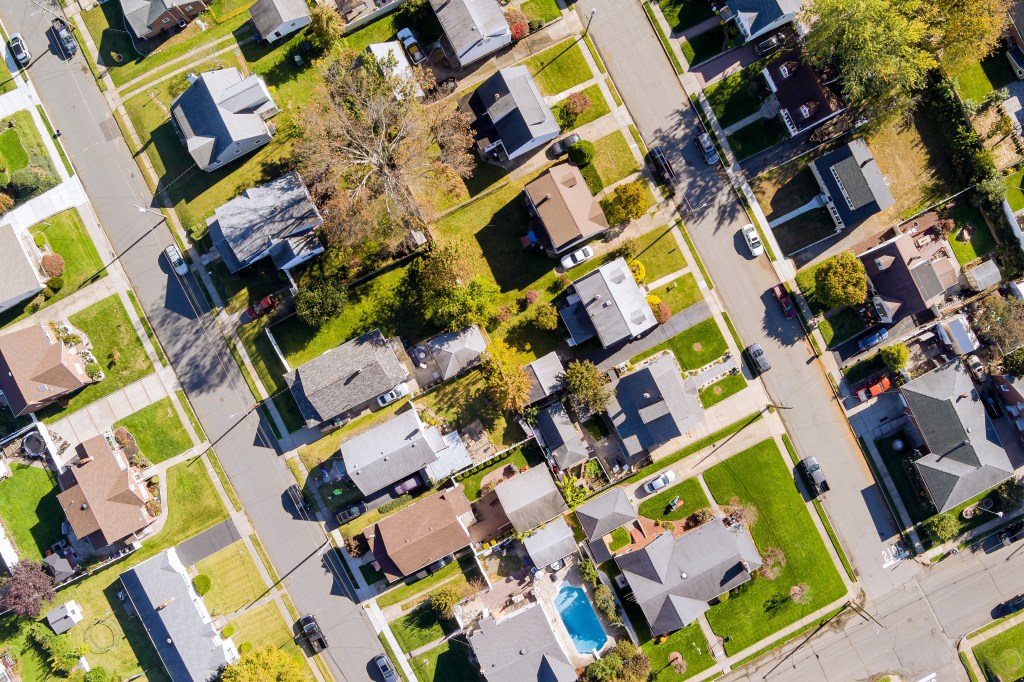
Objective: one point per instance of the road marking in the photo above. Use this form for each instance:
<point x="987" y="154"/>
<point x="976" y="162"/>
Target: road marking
<point x="930" y="678"/>
<point x="893" y="554"/>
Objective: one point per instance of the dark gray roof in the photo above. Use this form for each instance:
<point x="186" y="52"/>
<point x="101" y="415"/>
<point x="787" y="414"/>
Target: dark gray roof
<point x="64" y="617"/>
<point x="455" y="351"/>
<point x="468" y="22"/>
<point x="140" y="14"/>
<point x="604" y="513"/>
<point x="267" y="15"/>
<point x="759" y="14"/>
<point x="530" y="499"/>
<point x="966" y="457"/>
<point x="543" y="373"/>
<point x="551" y="543"/>
<point x="18" y="277"/>
<point x="674" y="578"/>
<point x="516" y="107"/>
<point x="653" y="405"/>
<point x="854" y="182"/>
<point x="521" y="648"/>
<point x="261" y="217"/>
<point x="345" y="377"/>
<point x="391" y="451"/>
<point x="617" y="308"/>
<point x="58" y="567"/>
<point x="176" y="620"/>
<point x="562" y="436"/>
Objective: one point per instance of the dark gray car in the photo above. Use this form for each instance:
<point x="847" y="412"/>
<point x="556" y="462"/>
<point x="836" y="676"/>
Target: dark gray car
<point x="815" y="476"/>
<point x="757" y="358"/>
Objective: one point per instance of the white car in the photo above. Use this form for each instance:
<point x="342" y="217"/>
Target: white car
<point x="573" y="259"/>
<point x="19" y="49"/>
<point x="399" y="391"/>
<point x="411" y="46"/>
<point x="753" y="240"/>
<point x="173" y="256"/>
<point x="660" y="482"/>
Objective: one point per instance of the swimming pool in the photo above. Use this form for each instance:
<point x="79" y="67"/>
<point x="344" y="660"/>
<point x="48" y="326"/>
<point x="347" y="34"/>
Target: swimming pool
<point x="580" y="620"/>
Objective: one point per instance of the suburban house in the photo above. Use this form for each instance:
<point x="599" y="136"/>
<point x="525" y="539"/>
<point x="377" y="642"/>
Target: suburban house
<point x="415" y="537"/>
<point x="149" y="18"/>
<point x="103" y="496"/>
<point x="346" y="380"/>
<point x="755" y="18"/>
<point x="566" y="213"/>
<point x="544" y="373"/>
<point x="64" y="617"/>
<point x="530" y="499"/>
<point x="511" y="117"/>
<point x="274" y="19"/>
<point x="455" y="352"/>
<point x="853" y="185"/>
<point x="806" y="97"/>
<point x="521" y="647"/>
<point x="551" y="544"/>
<point x="1011" y="392"/>
<point x="277" y="219"/>
<point x="223" y="116"/>
<point x="21" y="277"/>
<point x="176" y="620"/>
<point x="963" y="456"/>
<point x="561" y="437"/>
<point x="454" y="457"/>
<point x="608" y="304"/>
<point x="653" y="405"/>
<point x="673" y="579"/>
<point x="600" y="515"/>
<point x="37" y="369"/>
<point x="473" y="29"/>
<point x="909" y="274"/>
<point x="394" y="450"/>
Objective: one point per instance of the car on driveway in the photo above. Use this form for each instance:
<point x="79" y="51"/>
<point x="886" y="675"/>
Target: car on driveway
<point x="571" y="260"/>
<point x="349" y="513"/>
<point x="976" y="369"/>
<point x="1011" y="606"/>
<point x="19" y="49"/>
<point x="873" y="339"/>
<point x="769" y="45"/>
<point x="815" y="476"/>
<point x="758" y="358"/>
<point x="399" y="391"/>
<point x="752" y="239"/>
<point x="562" y="146"/>
<point x="312" y="633"/>
<point x="262" y="307"/>
<point x="173" y="256"/>
<point x="663" y="168"/>
<point x="387" y="670"/>
<point x="784" y="300"/>
<point x="993" y="404"/>
<point x="655" y="484"/>
<point x="411" y="46"/>
<point x="707" y="147"/>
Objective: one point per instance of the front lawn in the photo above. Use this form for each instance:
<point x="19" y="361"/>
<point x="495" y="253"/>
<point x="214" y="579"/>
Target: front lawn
<point x="526" y="456"/>
<point x="238" y="290"/>
<point x="694" y="347"/>
<point x="679" y="294"/>
<point x="916" y="501"/>
<point x="270" y="370"/>
<point x="682" y="14"/>
<point x="689" y="643"/>
<point x="803" y="230"/>
<point x="805" y="280"/>
<point x="545" y="10"/>
<point x="613" y="161"/>
<point x="691" y="498"/>
<point x="158" y="431"/>
<point x="456" y="574"/>
<point x="598" y="108"/>
<point x="559" y="68"/>
<point x="30" y="510"/>
<point x="703" y="46"/>
<point x="194" y="504"/>
<point x="722" y="389"/>
<point x="447" y="662"/>
<point x="264" y="625"/>
<point x="235" y="581"/>
<point x="757" y="136"/>
<point x="840" y="326"/>
<point x="21" y="147"/>
<point x="785" y="188"/>
<point x="659" y="253"/>
<point x="760" y="480"/>
<point x="974" y="80"/>
<point x="464" y="400"/>
<point x="738" y="95"/>
<point x="1002" y="656"/>
<point x="419" y="627"/>
<point x="981" y="242"/>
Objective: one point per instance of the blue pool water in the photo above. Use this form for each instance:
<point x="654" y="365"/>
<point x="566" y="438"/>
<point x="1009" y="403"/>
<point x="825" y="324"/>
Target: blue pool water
<point x="580" y="620"/>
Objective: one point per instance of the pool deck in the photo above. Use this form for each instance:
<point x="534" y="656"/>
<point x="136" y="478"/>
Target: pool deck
<point x="546" y="591"/>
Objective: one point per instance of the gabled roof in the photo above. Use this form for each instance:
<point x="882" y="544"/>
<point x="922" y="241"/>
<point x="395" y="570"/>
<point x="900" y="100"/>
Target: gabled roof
<point x="467" y="23"/>
<point x="612" y="303"/>
<point x="653" y="405"/>
<point x="760" y="14"/>
<point x="521" y="648"/>
<point x="456" y="351"/>
<point x="604" y="513"/>
<point x="562" y="436"/>
<point x="345" y="377"/>
<point x="1016" y="12"/>
<point x="530" y="499"/>
<point x="543" y="374"/>
<point x="966" y="457"/>
<point x="797" y="84"/>
<point x="64" y="617"/>
<point x="36" y="368"/>
<point x="268" y="15"/>
<point x="58" y="568"/>
<point x="140" y="14"/>
<point x="565" y="205"/>
<point x="515" y="106"/>
<point x="854" y="182"/>
<point x="674" y="578"/>
<point x="899" y="274"/>
<point x="390" y="451"/>
<point x="551" y="543"/>
<point x="18" y="278"/>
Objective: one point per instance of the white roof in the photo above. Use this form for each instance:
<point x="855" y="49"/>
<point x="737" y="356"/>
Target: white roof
<point x="956" y="333"/>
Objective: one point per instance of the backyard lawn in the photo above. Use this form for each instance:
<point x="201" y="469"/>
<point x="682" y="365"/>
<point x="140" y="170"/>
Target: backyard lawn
<point x="694" y="347"/>
<point x="158" y="431"/>
<point x="738" y="95"/>
<point x="545" y="10"/>
<point x="447" y="662"/>
<point x="975" y="79"/>
<point x="690" y="643"/>
<point x="598" y="108"/>
<point x="21" y="147"/>
<point x="234" y="580"/>
<point x="1015" y="190"/>
<point x="722" y="389"/>
<point x="1002" y="656"/>
<point x="981" y="242"/>
<point x="703" y="46"/>
<point x="464" y="400"/>
<point x="528" y="455"/>
<point x="691" y="498"/>
<point x="419" y="627"/>
<point x="619" y="539"/>
<point x="840" y="326"/>
<point x="917" y="504"/>
<point x="559" y="68"/>
<point x="30" y="510"/>
<point x="659" y="253"/>
<point x="682" y="14"/>
<point x="613" y="161"/>
<point x="680" y="294"/>
<point x="758" y="136"/>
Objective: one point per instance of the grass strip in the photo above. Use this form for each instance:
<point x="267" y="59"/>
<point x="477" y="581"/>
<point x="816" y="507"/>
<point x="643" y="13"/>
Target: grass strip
<point x="56" y="142"/>
<point x="290" y="605"/>
<point x="390" y="654"/>
<point x="732" y="332"/>
<point x="265" y="414"/>
<point x="245" y="370"/>
<point x="224" y="481"/>
<point x="700" y="264"/>
<point x="615" y="95"/>
<point x="790" y="637"/>
<point x="967" y="667"/>
<point x="664" y="39"/>
<point x="185" y="405"/>
<point x="274" y="577"/>
<point x="147" y="327"/>
<point x="636" y="138"/>
<point x="595" y="55"/>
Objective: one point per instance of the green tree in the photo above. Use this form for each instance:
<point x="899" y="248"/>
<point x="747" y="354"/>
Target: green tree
<point x="266" y="664"/>
<point x="967" y="30"/>
<point x="586" y="387"/>
<point x="320" y="301"/>
<point x="546" y="317"/>
<point x="627" y="202"/>
<point x="942" y="527"/>
<point x="443" y="268"/>
<point x="1002" y="319"/>
<point x="895" y="356"/>
<point x="582" y="152"/>
<point x="325" y="26"/>
<point x="444" y="599"/>
<point x="507" y="382"/>
<point x="1011" y="493"/>
<point x="841" y="281"/>
<point x="1013" y="363"/>
<point x="458" y="307"/>
<point x="605" y="669"/>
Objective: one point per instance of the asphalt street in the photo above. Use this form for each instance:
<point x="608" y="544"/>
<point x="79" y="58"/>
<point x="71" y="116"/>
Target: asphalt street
<point x="192" y="342"/>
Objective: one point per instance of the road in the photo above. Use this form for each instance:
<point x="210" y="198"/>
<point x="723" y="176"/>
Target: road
<point x="191" y="340"/>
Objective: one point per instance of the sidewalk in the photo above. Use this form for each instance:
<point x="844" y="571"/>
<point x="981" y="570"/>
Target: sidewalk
<point x="965" y="647"/>
<point x="381" y="627"/>
<point x="97" y="417"/>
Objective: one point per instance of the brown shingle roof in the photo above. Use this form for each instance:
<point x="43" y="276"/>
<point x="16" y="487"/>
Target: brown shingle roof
<point x="565" y="205"/>
<point x="36" y="369"/>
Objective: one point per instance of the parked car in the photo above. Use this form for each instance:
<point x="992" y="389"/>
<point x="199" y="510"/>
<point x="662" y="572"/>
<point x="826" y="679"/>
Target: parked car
<point x="758" y="358"/>
<point x="385" y="668"/>
<point x="399" y="391"/>
<point x="656" y="484"/>
<point x="562" y="146"/>
<point x="993" y="405"/>
<point x="663" y="168"/>
<point x="262" y="307"/>
<point x="875" y="389"/>
<point x="976" y="369"/>
<point x="411" y="45"/>
<point x="349" y="513"/>
<point x="873" y="339"/>
<point x="815" y="476"/>
<point x="707" y="147"/>
<point x="1011" y="606"/>
<point x="173" y="256"/>
<point x="19" y="49"/>
<point x="785" y="302"/>
<point x="770" y="44"/>
<point x="1011" y="533"/>
<point x="571" y="260"/>
<point x="312" y="633"/>
<point x="752" y="239"/>
<point x="64" y="35"/>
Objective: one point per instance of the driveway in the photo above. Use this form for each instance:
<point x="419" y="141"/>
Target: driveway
<point x="209" y="542"/>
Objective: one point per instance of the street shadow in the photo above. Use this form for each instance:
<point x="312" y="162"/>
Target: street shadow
<point x="787" y="331"/>
<point x="881" y="517"/>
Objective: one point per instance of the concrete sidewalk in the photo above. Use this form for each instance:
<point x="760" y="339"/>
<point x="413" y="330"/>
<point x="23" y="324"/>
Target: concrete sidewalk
<point x="100" y="415"/>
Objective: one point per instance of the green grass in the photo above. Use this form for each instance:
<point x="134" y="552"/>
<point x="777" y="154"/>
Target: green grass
<point x="30" y="510"/>
<point x="158" y="431"/>
<point x="682" y="14"/>
<point x="264" y="625"/>
<point x="619" y="539"/>
<point x="464" y="400"/>
<point x="689" y="643"/>
<point x="597" y="58"/>
<point x="694" y="347"/>
<point x="1001" y="655"/>
<point x="761" y="480"/>
<point x="863" y="369"/>
<point x="598" y="108"/>
<point x="805" y="280"/>
<point x="659" y="253"/>
<point x="703" y="46"/>
<point x="185" y="405"/>
<point x="981" y="242"/>
<point x="975" y="79"/>
<point x="679" y="294"/>
<point x="407" y="590"/>
<point x="545" y="10"/>
<point x="691" y="497"/>
<point x="237" y="291"/>
<point x="664" y="39"/>
<point x="319" y="451"/>
<point x="225" y="482"/>
<point x="696" y="257"/>
<point x="918" y="507"/>
<point x="840" y="326"/>
<point x="194" y="503"/>
<point x="618" y="103"/>
<point x="732" y="331"/>
<point x="1015" y="190"/>
<point x="803" y="230"/>
<point x="56" y="143"/>
<point x="226" y="8"/>
<point x="799" y="632"/>
<point x="22" y="147"/>
<point x="235" y="581"/>
<point x="526" y="456"/>
<point x="447" y="662"/>
<point x="559" y="68"/>
<point x="738" y="95"/>
<point x="722" y="389"/>
<point x="613" y="161"/>
<point x="756" y="137"/>
<point x="147" y="327"/>
<point x="419" y="627"/>
<point x="12" y="152"/>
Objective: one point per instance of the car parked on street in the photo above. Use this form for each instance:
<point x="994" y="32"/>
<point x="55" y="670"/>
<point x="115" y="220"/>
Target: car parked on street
<point x="311" y="632"/>
<point x="19" y="49"/>
<point x="173" y="256"/>
<point x="349" y="513"/>
<point x="1011" y="606"/>
<point x="873" y="339"/>
<point x="297" y="498"/>
<point x="784" y="300"/>
<point x="385" y="668"/>
<point x="770" y="44"/>
<point x="707" y="148"/>
<point x="399" y="391"/>
<point x="752" y="239"/>
<point x="562" y="146"/>
<point x="1011" y="533"/>
<point x="815" y="476"/>
<point x="656" y="484"/>
<point x="663" y="168"/>
<point x="571" y="260"/>
<point x="411" y="46"/>
<point x="757" y="358"/>
<point x="262" y="307"/>
<point x="64" y="35"/>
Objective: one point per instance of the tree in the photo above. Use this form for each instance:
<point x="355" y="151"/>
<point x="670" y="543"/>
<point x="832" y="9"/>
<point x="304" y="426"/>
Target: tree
<point x="1011" y="493"/>
<point x="605" y="602"/>
<point x="444" y="599"/>
<point x="841" y="281"/>
<point x="325" y="26"/>
<point x="443" y="268"/>
<point x="1002" y="319"/>
<point x="967" y="30"/>
<point x="586" y="386"/>
<point x="582" y="152"/>
<point x="1013" y="363"/>
<point x="605" y="669"/>
<point x="546" y="317"/>
<point x="895" y="356"/>
<point x="266" y="664"/>
<point x="507" y="381"/>
<point x="27" y="589"/>
<point x="573" y="492"/>
<point x="943" y="527"/>
<point x="320" y="301"/>
<point x="628" y="202"/>
<point x="458" y="307"/>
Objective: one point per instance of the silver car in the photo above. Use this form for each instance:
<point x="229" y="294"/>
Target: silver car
<point x="173" y="256"/>
<point x="19" y="49"/>
<point x="660" y="482"/>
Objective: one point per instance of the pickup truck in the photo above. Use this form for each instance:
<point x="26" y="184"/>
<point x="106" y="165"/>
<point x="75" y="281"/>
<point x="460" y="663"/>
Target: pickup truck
<point x="65" y="36"/>
<point x="312" y="633"/>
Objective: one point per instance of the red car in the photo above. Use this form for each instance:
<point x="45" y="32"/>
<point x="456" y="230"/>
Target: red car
<point x="785" y="302"/>
<point x="262" y="307"/>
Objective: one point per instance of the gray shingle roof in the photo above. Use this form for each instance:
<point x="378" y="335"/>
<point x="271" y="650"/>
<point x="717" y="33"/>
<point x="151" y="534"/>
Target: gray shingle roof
<point x="345" y="377"/>
<point x="140" y="14"/>
<point x="468" y="22"/>
<point x="562" y="436"/>
<point x="530" y="499"/>
<point x="391" y="451"/>
<point x="604" y="513"/>
<point x="551" y="543"/>
<point x="516" y="107"/>
<point x="674" y="578"/>
<point x="759" y="14"/>
<point x="851" y="171"/>
<point x="455" y="351"/>
<point x="543" y="373"/>
<point x="267" y="15"/>
<point x="521" y="648"/>
<point x="617" y="308"/>
<point x="18" y="277"/>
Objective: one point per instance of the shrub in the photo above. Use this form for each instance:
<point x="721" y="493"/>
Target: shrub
<point x="536" y="25"/>
<point x="60" y="653"/>
<point x="27" y="182"/>
<point x="444" y="599"/>
<point x="577" y="103"/>
<point x="202" y="584"/>
<point x="244" y="648"/>
<point x="228" y="631"/>
<point x="48" y="293"/>
<point x="661" y="312"/>
<point x="942" y="527"/>
<point x="518" y="23"/>
<point x="55" y="283"/>
<point x="588" y="571"/>
<point x="895" y="356"/>
<point x="604" y="601"/>
<point x="546" y="317"/>
<point x="841" y="281"/>
<point x="319" y="302"/>
<point x="53" y="263"/>
<point x="397" y="503"/>
<point x="582" y="152"/>
<point x="638" y="270"/>
<point x="560" y="284"/>
<point x="503" y="315"/>
<point x="93" y="370"/>
<point x="6" y="202"/>
<point x="40" y="240"/>
<point x="628" y="249"/>
<point x="325" y="27"/>
<point x="531" y="297"/>
<point x="154" y="480"/>
<point x="5" y="177"/>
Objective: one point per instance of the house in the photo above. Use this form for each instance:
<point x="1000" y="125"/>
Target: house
<point x="673" y="579"/>
<point x="396" y="449"/>
<point x="653" y="405"/>
<point x="909" y="274"/>
<point x="551" y="543"/>
<point x="103" y="496"/>
<point x="58" y="568"/>
<point x="853" y="185"/>
<point x="21" y="278"/>
<point x="545" y="377"/>
<point x="37" y="369"/>
<point x="64" y="617"/>
<point x="393" y="55"/>
<point x="274" y="19"/>
<point x="277" y="219"/>
<point x="147" y="19"/>
<point x="755" y="18"/>
<point x="567" y="214"/>
<point x="601" y="515"/>
<point x="455" y="457"/>
<point x="530" y="499"/>
<point x="347" y="379"/>
<point x="955" y="331"/>
<point x="473" y="29"/>
<point x="562" y="437"/>
<point x="455" y="352"/>
<point x="521" y="647"/>
<point x="806" y="97"/>
<point x="415" y="537"/>
<point x="963" y="456"/>
<point x="223" y="116"/>
<point x="176" y="620"/>
<point x="608" y="304"/>
<point x="511" y="116"/>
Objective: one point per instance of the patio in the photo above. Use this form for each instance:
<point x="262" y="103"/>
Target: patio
<point x="491" y="520"/>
